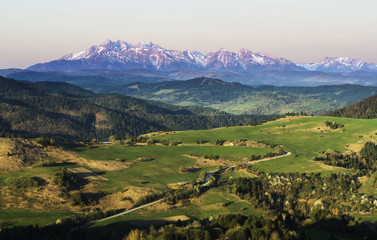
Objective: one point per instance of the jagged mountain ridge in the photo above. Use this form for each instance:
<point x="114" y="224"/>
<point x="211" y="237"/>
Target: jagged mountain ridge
<point x="341" y="65"/>
<point x="120" y="55"/>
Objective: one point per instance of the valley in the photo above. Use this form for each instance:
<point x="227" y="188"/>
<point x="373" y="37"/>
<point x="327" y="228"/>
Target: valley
<point x="158" y="165"/>
<point x="188" y="120"/>
<point x="152" y="154"/>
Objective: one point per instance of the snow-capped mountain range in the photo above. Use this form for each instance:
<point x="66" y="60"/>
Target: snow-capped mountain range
<point x="340" y="65"/>
<point x="120" y="55"/>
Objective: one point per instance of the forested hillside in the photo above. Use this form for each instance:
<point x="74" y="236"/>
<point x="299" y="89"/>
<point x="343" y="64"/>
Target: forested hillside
<point x="366" y="109"/>
<point x="67" y="111"/>
<point x="236" y="98"/>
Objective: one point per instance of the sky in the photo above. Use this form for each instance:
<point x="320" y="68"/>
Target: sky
<point x="303" y="31"/>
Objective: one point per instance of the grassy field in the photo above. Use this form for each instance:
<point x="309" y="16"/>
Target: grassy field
<point x="303" y="136"/>
<point x="164" y="169"/>
<point x="22" y="217"/>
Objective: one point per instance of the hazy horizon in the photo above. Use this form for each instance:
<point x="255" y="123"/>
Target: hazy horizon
<point x="37" y="31"/>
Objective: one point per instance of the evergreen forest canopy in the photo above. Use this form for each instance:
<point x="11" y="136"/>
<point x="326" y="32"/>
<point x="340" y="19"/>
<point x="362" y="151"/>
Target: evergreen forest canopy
<point x="66" y="111"/>
<point x="366" y="109"/>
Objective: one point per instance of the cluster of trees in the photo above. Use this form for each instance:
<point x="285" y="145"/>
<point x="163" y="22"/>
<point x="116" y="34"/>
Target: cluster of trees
<point x="66" y="180"/>
<point x="201" y="141"/>
<point x="46" y="141"/>
<point x="267" y="155"/>
<point x="173" y="196"/>
<point x="212" y="156"/>
<point x="151" y="197"/>
<point x="333" y="125"/>
<point x="239" y="227"/>
<point x="78" y="219"/>
<point x="294" y="193"/>
<point x="232" y="226"/>
<point x="163" y="142"/>
<point x="296" y="114"/>
<point x="251" y="158"/>
<point x="364" y="163"/>
<point x="220" y="142"/>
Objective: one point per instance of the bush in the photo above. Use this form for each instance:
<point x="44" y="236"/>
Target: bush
<point x="46" y="163"/>
<point x="66" y="180"/>
<point x="333" y="125"/>
<point x="45" y="141"/>
<point x="212" y="157"/>
<point x="77" y="199"/>
<point x="201" y="141"/>
<point x="21" y="182"/>
<point x="143" y="159"/>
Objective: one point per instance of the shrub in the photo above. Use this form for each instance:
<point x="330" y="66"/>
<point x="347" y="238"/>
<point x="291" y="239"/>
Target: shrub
<point x="66" y="180"/>
<point x="46" y="163"/>
<point x="77" y="199"/>
<point x="21" y="182"/>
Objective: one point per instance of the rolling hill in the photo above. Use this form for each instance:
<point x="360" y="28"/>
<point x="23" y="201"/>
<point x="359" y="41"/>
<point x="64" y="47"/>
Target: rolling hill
<point x="366" y="108"/>
<point x="239" y="99"/>
<point x="64" y="110"/>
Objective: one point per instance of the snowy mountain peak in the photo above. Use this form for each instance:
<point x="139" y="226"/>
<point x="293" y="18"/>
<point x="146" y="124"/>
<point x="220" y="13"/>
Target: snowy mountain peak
<point x="340" y="65"/>
<point x="121" y="55"/>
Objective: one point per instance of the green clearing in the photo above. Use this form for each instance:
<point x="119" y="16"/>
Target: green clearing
<point x="164" y="169"/>
<point x="23" y="217"/>
<point x="368" y="185"/>
<point x="303" y="136"/>
<point x="118" y="152"/>
<point x="33" y="172"/>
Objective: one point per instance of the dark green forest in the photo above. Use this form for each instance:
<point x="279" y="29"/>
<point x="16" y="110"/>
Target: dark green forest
<point x="366" y="109"/>
<point x="66" y="111"/>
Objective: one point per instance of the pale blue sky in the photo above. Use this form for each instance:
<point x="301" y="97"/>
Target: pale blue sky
<point x="33" y="31"/>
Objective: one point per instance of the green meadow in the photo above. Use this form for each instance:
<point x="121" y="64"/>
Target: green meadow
<point x="304" y="137"/>
<point x="164" y="168"/>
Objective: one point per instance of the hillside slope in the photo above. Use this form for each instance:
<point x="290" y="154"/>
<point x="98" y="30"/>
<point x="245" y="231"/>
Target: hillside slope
<point x="366" y="108"/>
<point x="61" y="109"/>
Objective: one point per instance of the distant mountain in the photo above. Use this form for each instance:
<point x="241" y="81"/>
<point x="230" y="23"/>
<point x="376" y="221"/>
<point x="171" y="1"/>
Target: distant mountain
<point x="120" y="55"/>
<point x="340" y="65"/>
<point x="67" y="111"/>
<point x="93" y="80"/>
<point x="236" y="98"/>
<point x="282" y="78"/>
<point x="97" y="79"/>
<point x="366" y="108"/>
